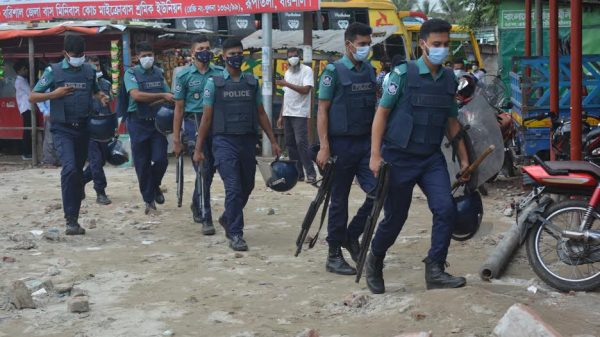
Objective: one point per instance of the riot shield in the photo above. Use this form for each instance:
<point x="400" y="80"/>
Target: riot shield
<point x="482" y="128"/>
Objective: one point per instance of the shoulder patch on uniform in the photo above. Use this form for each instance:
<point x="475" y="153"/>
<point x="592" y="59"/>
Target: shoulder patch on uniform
<point x="392" y="88"/>
<point x="326" y="80"/>
<point x="177" y="87"/>
<point x="133" y="79"/>
<point x="43" y="80"/>
<point x="207" y="93"/>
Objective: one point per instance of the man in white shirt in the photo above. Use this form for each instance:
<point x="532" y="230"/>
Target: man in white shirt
<point x="295" y="113"/>
<point x="23" y="91"/>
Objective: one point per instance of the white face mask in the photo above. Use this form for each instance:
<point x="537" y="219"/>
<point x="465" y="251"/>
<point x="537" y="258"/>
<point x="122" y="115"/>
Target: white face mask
<point x="294" y="60"/>
<point x="76" y="61"/>
<point x="147" y="62"/>
<point x="98" y="74"/>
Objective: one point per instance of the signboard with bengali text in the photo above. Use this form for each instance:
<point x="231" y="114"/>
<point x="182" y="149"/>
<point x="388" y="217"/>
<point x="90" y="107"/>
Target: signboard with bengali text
<point x="38" y="10"/>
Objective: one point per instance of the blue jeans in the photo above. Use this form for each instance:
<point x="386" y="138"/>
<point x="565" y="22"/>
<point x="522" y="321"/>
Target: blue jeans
<point x="296" y="142"/>
<point x="431" y="174"/>
<point x="189" y="134"/>
<point x="97" y="152"/>
<point x="236" y="162"/>
<point x="71" y="145"/>
<point x="149" y="151"/>
<point x="353" y="154"/>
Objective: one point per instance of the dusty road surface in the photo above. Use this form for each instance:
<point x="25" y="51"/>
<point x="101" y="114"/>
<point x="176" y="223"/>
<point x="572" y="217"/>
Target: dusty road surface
<point x="158" y="276"/>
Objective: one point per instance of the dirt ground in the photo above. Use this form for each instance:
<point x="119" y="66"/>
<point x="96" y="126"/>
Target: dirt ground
<point x="151" y="276"/>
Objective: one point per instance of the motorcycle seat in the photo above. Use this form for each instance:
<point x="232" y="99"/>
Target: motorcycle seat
<point x="592" y="134"/>
<point x="575" y="166"/>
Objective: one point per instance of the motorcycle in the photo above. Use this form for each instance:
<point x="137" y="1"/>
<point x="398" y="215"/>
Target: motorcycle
<point x="563" y="238"/>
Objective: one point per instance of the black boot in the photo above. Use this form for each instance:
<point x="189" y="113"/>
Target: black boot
<point x="208" y="228"/>
<point x="159" y="197"/>
<point x="102" y="199"/>
<point x="336" y="263"/>
<point x="353" y="247"/>
<point x="150" y="208"/>
<point x="237" y="243"/>
<point x="73" y="227"/>
<point x="196" y="214"/>
<point x="437" y="278"/>
<point x="374" y="273"/>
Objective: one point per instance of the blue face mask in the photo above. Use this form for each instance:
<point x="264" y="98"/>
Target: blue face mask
<point x="203" y="56"/>
<point x="362" y="53"/>
<point x="437" y="55"/>
<point x="236" y="61"/>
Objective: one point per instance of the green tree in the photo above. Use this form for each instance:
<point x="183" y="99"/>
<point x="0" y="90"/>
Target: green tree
<point x="479" y="13"/>
<point x="404" y="5"/>
<point x="452" y="10"/>
<point x="428" y="8"/>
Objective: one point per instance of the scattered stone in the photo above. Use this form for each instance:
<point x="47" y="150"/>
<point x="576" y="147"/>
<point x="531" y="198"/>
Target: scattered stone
<point x="25" y="197"/>
<point x="244" y="334"/>
<point x="283" y="321"/>
<point x="92" y="224"/>
<point x="238" y="255"/>
<point x="508" y="212"/>
<point x="35" y="285"/>
<point x="416" y="334"/>
<point x="78" y="304"/>
<point x="191" y="299"/>
<point x="143" y="227"/>
<point x="478" y="309"/>
<point x="77" y="292"/>
<point x="418" y="315"/>
<point x="356" y="300"/>
<point x="40" y="292"/>
<point x="63" y="288"/>
<point x="271" y="211"/>
<point x="53" y="207"/>
<point x="20" y="296"/>
<point x="8" y="259"/>
<point x="52" y="236"/>
<point x="53" y="271"/>
<point x="520" y="320"/>
<point x="456" y="330"/>
<point x="168" y="333"/>
<point x="308" y="333"/>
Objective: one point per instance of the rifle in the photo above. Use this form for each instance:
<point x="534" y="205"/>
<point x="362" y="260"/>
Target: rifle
<point x="473" y="166"/>
<point x="379" y="194"/>
<point x="323" y="196"/>
<point x="179" y="178"/>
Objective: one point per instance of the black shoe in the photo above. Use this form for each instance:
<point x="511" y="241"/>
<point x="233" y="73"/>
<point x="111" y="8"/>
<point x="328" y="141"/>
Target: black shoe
<point x="150" y="207"/>
<point x="208" y="228"/>
<point x="336" y="263"/>
<point x="196" y="214"/>
<point x="353" y="247"/>
<point x="374" y="273"/>
<point x="102" y="199"/>
<point x="437" y="278"/>
<point x="159" y="197"/>
<point x="73" y="227"/>
<point x="311" y="180"/>
<point x="83" y="193"/>
<point x="300" y="179"/>
<point x="237" y="243"/>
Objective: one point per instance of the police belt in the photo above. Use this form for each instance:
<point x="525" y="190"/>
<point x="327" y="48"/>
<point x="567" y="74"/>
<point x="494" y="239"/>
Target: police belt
<point x="75" y="124"/>
<point x="135" y="115"/>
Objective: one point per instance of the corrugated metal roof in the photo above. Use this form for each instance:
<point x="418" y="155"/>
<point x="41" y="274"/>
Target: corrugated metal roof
<point x="331" y="41"/>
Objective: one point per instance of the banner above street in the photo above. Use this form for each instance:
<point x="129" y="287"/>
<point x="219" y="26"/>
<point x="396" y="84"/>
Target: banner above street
<point x="38" y="10"/>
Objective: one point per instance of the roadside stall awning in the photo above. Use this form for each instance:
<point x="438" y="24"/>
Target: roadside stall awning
<point x="330" y="41"/>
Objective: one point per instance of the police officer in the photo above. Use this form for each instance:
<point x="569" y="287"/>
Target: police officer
<point x="73" y="85"/>
<point x="416" y="111"/>
<point x="188" y="94"/>
<point x="147" y="89"/>
<point x="97" y="151"/>
<point x="233" y="111"/>
<point x="346" y="108"/>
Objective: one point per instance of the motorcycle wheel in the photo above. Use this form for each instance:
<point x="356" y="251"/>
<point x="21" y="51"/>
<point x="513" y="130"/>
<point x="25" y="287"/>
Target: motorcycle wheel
<point x="544" y="249"/>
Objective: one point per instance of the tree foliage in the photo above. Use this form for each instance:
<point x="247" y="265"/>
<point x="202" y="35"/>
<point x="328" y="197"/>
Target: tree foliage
<point x="479" y="13"/>
<point x="452" y="10"/>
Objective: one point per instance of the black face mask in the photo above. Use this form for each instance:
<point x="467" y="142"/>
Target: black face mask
<point x="235" y="61"/>
<point x="204" y="56"/>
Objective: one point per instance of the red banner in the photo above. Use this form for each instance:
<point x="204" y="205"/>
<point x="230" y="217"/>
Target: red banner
<point x="16" y="10"/>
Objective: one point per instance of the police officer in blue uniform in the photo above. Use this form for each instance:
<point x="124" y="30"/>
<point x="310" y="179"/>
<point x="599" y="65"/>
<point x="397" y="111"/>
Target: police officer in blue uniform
<point x="233" y="111"/>
<point x="72" y="85"/>
<point x="97" y="151"/>
<point x="189" y="94"/>
<point x="346" y="108"/>
<point x="147" y="89"/>
<point x="415" y="112"/>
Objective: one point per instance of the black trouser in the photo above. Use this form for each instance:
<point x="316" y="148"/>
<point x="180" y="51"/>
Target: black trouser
<point x="296" y="141"/>
<point x="26" y="143"/>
